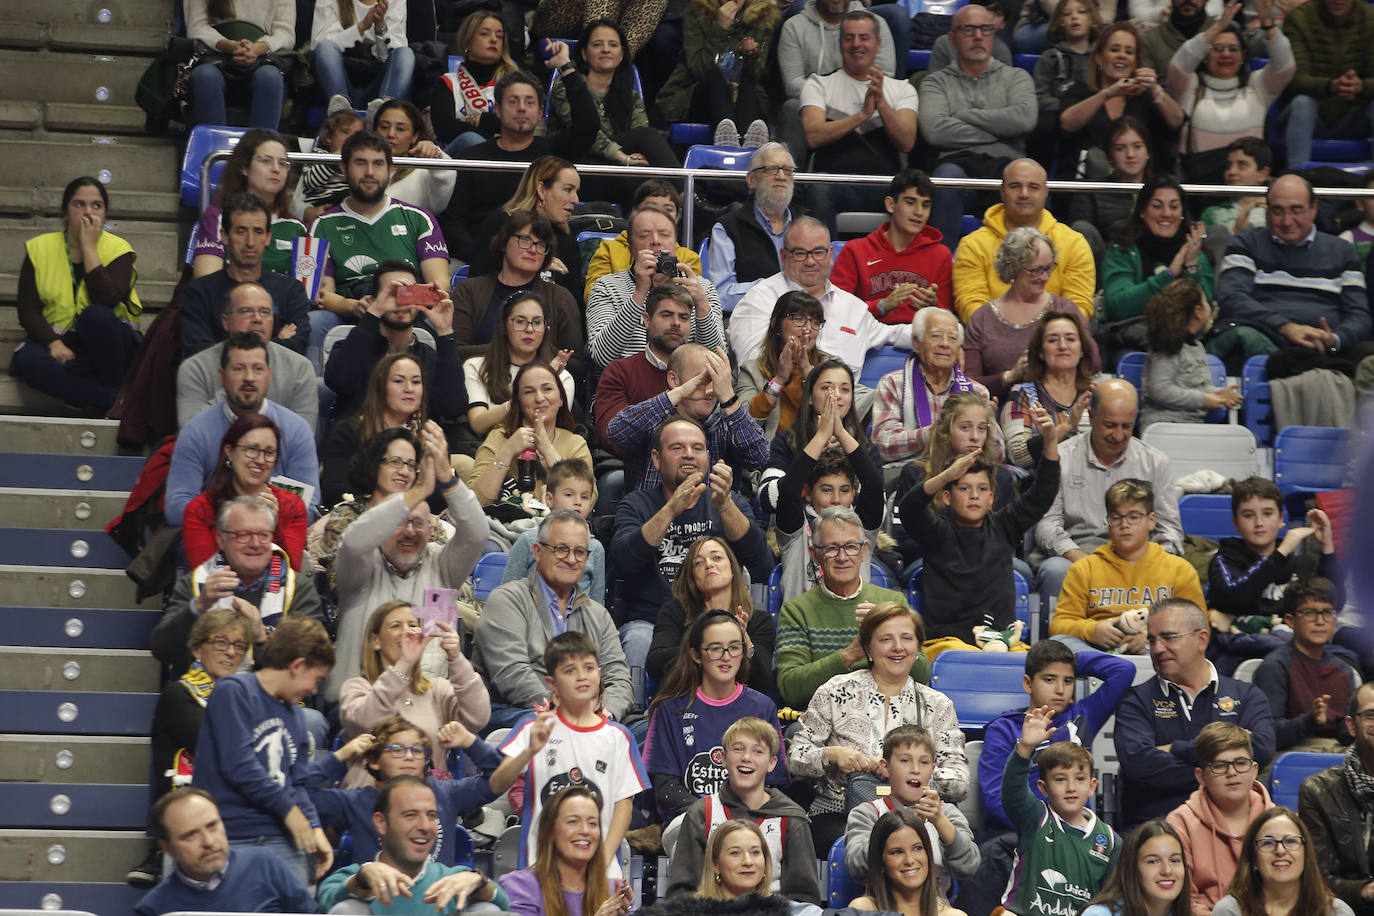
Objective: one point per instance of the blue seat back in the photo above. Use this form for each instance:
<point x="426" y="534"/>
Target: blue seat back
<point x="204" y="140"/>
<point x="970" y="223"/>
<point x="1025" y="62"/>
<point x="877" y="574"/>
<point x="1257" y="407"/>
<point x="1131" y="367"/>
<point x="1310" y="458"/>
<point x="982" y="685"/>
<point x="590" y="234"/>
<point x="917" y="60"/>
<point x="1207" y="515"/>
<point x="775" y="593"/>
<point x="730" y="158"/>
<point x="1289" y="770"/>
<point x="459" y="276"/>
<point x="486" y="575"/>
<point x="842" y="887"/>
<point x="880" y="362"/>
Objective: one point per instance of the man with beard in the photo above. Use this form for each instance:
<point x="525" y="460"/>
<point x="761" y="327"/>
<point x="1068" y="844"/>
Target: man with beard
<point x="388" y="327"/>
<point x="248" y="309"/>
<point x="402" y="877"/>
<point x="615" y="310"/>
<point x="386" y="554"/>
<point x="245" y="229"/>
<point x="370" y="227"/>
<point x="249" y="574"/>
<point x="655" y="525"/>
<point x="746" y="242"/>
<point x="1157" y="46"/>
<point x="245" y="374"/>
<point x="207" y="875"/>
<point x="849" y="331"/>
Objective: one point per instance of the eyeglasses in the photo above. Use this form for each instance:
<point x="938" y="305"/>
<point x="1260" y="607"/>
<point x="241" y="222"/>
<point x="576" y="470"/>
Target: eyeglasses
<point x="1364" y="715"/>
<point x="1316" y="613"/>
<point x="521" y="323"/>
<point x="254" y="452"/>
<point x="1222" y="767"/>
<point x="414" y="524"/>
<point x="528" y="243"/>
<point x="1116" y="520"/>
<point x="806" y="320"/>
<point x="243" y="538"/>
<point x="250" y="312"/>
<point x="969" y="30"/>
<point x="1044" y="270"/>
<point x="716" y="653"/>
<point x="400" y="751"/>
<point x="1168" y="639"/>
<point x="1293" y="842"/>
<point x="238" y="647"/>
<point x="831" y="551"/>
<point x="264" y="159"/>
<point x="396" y="461"/>
<point x="561" y="551"/>
<point x="773" y="171"/>
<point x="806" y="254"/>
<point x="1226" y="49"/>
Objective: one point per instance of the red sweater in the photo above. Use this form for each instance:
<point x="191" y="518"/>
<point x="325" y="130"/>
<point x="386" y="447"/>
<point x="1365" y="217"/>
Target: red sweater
<point x="870" y="268"/>
<point x="624" y="382"/>
<point x="198" y="528"/>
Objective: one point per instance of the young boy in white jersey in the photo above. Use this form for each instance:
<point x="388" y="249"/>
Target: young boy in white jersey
<point x="584" y="749"/>
<point x="907" y="764"/>
<point x="751" y="752"/>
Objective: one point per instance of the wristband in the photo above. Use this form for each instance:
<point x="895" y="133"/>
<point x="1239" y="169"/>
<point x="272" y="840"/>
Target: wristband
<point x="500" y="464"/>
<point x="452" y="482"/>
<point x="774" y="387"/>
<point x="726" y="405"/>
<point x="567" y="69"/>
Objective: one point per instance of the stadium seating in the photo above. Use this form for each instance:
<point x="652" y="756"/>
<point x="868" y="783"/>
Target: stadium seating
<point x="1206" y="515"/>
<point x="876" y="574"/>
<point x="1227" y="449"/>
<point x="1257" y="407"/>
<point x="204" y="140"/>
<point x="913" y="591"/>
<point x="1245" y="671"/>
<point x="730" y="158"/>
<point x="1290" y="769"/>
<point x="880" y="362"/>
<point x="488" y="572"/>
<point x="841" y="886"/>
<point x="1310" y="458"/>
<point x="1131" y="367"/>
<point x="982" y="685"/>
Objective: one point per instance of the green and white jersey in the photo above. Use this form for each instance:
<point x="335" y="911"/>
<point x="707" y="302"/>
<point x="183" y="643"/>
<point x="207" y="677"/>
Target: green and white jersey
<point x="358" y="244"/>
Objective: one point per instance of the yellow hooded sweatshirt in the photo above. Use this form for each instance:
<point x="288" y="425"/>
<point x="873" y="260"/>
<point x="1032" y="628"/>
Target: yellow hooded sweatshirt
<point x="975" y="279"/>
<point x="1102" y="586"/>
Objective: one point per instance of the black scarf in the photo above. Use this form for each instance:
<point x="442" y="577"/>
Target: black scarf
<point x="1158" y="252"/>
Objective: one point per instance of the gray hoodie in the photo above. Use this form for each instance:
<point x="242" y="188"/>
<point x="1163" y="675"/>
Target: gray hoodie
<point x="989" y="114"/>
<point x="808" y="44"/>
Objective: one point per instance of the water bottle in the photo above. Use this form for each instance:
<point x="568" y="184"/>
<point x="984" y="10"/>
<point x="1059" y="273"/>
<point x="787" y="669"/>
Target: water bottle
<point x="383" y="49"/>
<point x="525" y="467"/>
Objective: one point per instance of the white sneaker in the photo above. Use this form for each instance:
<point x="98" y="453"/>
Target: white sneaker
<point x="756" y="134"/>
<point x="338" y="103"/>
<point x="727" y="134"/>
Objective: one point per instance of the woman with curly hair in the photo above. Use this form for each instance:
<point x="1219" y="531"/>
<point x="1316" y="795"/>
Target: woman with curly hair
<point x="1177" y="381"/>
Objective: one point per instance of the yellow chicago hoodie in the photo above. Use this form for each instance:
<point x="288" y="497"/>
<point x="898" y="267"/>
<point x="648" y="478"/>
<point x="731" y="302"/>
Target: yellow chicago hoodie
<point x="1102" y="585"/>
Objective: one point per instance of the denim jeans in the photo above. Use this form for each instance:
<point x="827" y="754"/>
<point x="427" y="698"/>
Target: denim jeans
<point x="635" y="638"/>
<point x="393" y="82"/>
<point x="104" y="347"/>
<point x="1302" y="125"/>
<point x="294" y="859"/>
<point x="207" y="96"/>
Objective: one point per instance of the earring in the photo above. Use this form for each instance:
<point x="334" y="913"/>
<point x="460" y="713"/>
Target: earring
<point x="227" y="463"/>
<point x="717" y="877"/>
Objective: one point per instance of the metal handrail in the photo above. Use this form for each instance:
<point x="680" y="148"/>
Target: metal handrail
<point x="690" y="176"/>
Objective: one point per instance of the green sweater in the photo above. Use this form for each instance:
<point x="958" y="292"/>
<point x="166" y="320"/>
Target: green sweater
<point x="331" y="892"/>
<point x="1323" y="50"/>
<point x="813" y="630"/>
<point x="1126" y="289"/>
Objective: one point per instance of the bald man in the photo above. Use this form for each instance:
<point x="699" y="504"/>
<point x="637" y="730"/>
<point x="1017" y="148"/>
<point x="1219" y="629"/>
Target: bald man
<point x="1289" y="284"/>
<point x="1024" y="190"/>
<point x="1076" y="524"/>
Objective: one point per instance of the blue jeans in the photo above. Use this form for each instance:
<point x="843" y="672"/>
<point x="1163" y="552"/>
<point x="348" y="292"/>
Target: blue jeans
<point x="466" y="139"/>
<point x="635" y="638"/>
<point x="207" y="96"/>
<point x="1302" y="125"/>
<point x="503" y="716"/>
<point x="1048" y="581"/>
<point x="322" y="321"/>
<point x="104" y="347"/>
<point x="393" y="82"/>
<point x="294" y="859"/>
<point x="947" y="211"/>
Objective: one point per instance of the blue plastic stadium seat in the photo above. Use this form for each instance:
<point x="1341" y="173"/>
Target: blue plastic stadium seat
<point x="1131" y="367"/>
<point x="486" y="575"/>
<point x="590" y="234"/>
<point x="105" y="806"/>
<point x="1257" y="407"/>
<point x="1207" y="515"/>
<point x="1290" y="769"/>
<point x="880" y="362"/>
<point x="1310" y="458"/>
<point x="204" y="140"/>
<point x="913" y="594"/>
<point x="459" y="275"/>
<point x="1217" y="414"/>
<point x="544" y="47"/>
<point x="687" y="133"/>
<point x="730" y="158"/>
<point x="775" y="593"/>
<point x="40" y="712"/>
<point x="982" y="685"/>
<point x="61" y="547"/>
<point x="1025" y="62"/>
<point x="842" y="887"/>
<point x="969" y="224"/>
<point x="878" y="575"/>
<point x="917" y="60"/>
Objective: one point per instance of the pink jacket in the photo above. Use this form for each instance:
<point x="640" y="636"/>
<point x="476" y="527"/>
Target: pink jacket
<point x="1208" y="847"/>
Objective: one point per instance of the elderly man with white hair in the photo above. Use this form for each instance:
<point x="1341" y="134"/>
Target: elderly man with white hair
<point x="909" y="400"/>
<point x="747" y="241"/>
<point x="849" y="331"/>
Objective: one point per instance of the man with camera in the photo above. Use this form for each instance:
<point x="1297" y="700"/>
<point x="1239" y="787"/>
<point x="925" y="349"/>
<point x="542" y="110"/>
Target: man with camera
<point x="615" y="308"/>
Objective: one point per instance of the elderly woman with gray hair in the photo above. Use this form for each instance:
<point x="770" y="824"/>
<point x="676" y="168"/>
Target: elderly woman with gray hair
<point x="998" y="332"/>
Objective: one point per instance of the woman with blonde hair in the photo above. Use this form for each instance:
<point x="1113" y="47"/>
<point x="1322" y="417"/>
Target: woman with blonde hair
<point x="462" y="105"/>
<point x="549" y="187"/>
<point x="394" y="684"/>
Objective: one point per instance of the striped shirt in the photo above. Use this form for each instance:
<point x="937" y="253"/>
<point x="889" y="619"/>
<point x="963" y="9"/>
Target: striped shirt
<point x="615" y="322"/>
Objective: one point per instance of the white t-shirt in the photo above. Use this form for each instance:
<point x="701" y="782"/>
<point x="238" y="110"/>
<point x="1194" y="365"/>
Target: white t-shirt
<point x="839" y="95"/>
<point x="477" y="392"/>
<point x="604" y="758"/>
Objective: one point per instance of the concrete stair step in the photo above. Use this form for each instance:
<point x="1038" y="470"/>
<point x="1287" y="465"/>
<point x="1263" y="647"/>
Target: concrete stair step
<point x="94" y="628"/>
<point x="132" y="167"/>
<point x="107" y="39"/>
<point x="18" y="398"/>
<point x="73" y="758"/>
<point x="56" y="76"/>
<point x="71" y="712"/>
<point x="58" y="435"/>
<point x="111" y="896"/>
<point x="48" y="586"/>
<point x="26" y="35"/>
<point x="94" y="806"/>
<point x="109" y="473"/>
<point x="50" y="856"/>
<point x="104" y="670"/>
<point x="95" y="117"/>
<point x="20" y="115"/>
<point x="147" y="13"/>
<point x="81" y="510"/>
<point x="157" y="246"/>
<point x="154" y="294"/>
<point x="61" y="547"/>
